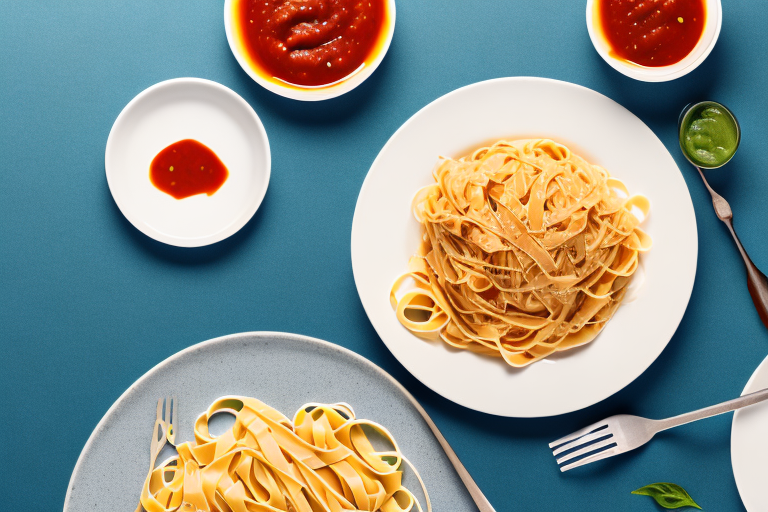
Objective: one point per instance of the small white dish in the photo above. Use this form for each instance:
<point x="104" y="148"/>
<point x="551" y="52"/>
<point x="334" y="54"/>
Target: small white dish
<point x="306" y="93"/>
<point x="749" y="446"/>
<point x="188" y="108"/>
<point x="385" y="235"/>
<point x="664" y="73"/>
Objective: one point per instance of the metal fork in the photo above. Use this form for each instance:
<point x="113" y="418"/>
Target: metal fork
<point x="622" y="433"/>
<point x="483" y="505"/>
<point x="164" y="430"/>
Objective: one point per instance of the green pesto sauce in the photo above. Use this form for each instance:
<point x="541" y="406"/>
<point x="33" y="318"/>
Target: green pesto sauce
<point x="709" y="135"/>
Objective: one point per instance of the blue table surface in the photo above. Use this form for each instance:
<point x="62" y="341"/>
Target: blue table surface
<point x="88" y="303"/>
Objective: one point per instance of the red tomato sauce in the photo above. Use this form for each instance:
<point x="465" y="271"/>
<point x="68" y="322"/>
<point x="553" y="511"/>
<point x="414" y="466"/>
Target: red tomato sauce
<point x="652" y="33"/>
<point x="310" y="42"/>
<point x="187" y="168"/>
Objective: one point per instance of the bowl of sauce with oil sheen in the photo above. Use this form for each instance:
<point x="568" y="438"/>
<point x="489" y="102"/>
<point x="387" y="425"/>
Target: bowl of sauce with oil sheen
<point x="654" y="40"/>
<point x="309" y="50"/>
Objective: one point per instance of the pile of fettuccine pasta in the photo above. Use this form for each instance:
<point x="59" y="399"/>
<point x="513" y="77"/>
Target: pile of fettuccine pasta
<point x="322" y="461"/>
<point x="527" y="250"/>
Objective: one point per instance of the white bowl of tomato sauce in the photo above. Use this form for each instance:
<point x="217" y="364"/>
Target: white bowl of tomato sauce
<point x="309" y="50"/>
<point x="654" y="40"/>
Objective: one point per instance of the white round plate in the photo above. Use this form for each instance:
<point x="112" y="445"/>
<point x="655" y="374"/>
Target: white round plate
<point x="285" y="371"/>
<point x="385" y="235"/>
<point x="188" y="108"/>
<point x="749" y="446"/>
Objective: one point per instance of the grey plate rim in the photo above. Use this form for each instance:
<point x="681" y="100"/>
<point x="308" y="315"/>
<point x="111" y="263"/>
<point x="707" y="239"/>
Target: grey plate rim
<point x="220" y="340"/>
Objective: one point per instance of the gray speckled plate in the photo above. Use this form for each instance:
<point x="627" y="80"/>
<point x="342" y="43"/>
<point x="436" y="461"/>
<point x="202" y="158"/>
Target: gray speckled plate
<point x="283" y="370"/>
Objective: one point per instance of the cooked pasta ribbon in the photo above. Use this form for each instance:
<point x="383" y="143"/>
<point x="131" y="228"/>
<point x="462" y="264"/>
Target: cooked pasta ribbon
<point x="322" y="461"/>
<point x="527" y="250"/>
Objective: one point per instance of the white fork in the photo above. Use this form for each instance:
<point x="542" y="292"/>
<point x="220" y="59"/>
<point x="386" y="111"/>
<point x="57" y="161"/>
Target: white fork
<point x="166" y="420"/>
<point x="622" y="433"/>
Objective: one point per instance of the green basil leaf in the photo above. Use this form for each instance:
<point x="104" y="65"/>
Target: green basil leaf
<point x="667" y="495"/>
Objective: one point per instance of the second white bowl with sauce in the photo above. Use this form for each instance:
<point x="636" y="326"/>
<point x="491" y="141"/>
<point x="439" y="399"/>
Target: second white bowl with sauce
<point x="307" y="92"/>
<point x="681" y="68"/>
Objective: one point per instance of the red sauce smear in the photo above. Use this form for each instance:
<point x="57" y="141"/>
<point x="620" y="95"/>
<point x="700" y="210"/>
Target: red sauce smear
<point x="310" y="42"/>
<point x="652" y="33"/>
<point x="187" y="168"/>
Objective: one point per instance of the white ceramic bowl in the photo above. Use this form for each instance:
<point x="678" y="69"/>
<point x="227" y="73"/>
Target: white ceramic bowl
<point x="188" y="108"/>
<point x="663" y="73"/>
<point x="306" y="93"/>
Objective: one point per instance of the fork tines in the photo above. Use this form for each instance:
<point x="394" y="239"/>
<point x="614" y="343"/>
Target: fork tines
<point x="170" y="417"/>
<point x="587" y="445"/>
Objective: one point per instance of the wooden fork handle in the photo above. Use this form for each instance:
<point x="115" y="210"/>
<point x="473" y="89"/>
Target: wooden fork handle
<point x="713" y="410"/>
<point x="757" y="284"/>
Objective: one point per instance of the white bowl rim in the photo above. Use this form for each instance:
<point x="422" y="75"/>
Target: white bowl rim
<point x="664" y="73"/>
<point x="165" y="238"/>
<point x="309" y="94"/>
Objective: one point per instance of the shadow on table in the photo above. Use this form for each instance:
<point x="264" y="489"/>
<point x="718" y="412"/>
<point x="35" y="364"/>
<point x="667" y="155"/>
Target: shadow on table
<point x="190" y="255"/>
<point x="312" y="113"/>
<point x="545" y="430"/>
<point x="661" y="103"/>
